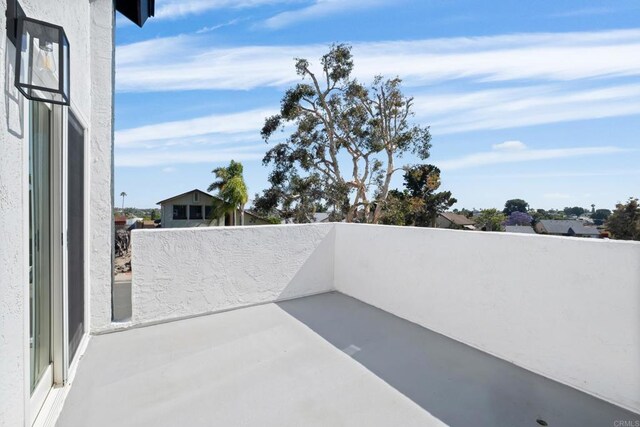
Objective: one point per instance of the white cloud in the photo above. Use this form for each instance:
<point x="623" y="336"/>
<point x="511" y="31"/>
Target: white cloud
<point x="158" y="158"/>
<point x="172" y="9"/>
<point x="193" y="63"/>
<point x="517" y="107"/>
<point x="509" y="146"/>
<point x="318" y="9"/>
<point x="225" y="126"/>
<point x="523" y="155"/>
<point x="169" y="169"/>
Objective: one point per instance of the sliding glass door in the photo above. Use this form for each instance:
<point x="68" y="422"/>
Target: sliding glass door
<point x="40" y="265"/>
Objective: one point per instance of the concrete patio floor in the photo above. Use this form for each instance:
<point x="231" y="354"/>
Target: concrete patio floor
<point x="322" y="360"/>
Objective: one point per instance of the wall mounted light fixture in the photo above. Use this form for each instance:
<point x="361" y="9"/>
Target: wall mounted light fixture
<point x="42" y="58"/>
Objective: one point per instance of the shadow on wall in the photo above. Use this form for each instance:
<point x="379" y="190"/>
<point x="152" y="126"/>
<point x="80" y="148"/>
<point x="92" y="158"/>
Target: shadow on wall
<point x="314" y="267"/>
<point x="188" y="272"/>
<point x="456" y="383"/>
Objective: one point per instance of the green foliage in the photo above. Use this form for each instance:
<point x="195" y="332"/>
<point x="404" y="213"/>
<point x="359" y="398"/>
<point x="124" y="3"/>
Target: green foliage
<point x="601" y="214"/>
<point x="490" y="220"/>
<point x="231" y="188"/>
<point x="515" y="205"/>
<point x="138" y="213"/>
<point x="419" y="204"/>
<point x="346" y="137"/>
<point x="624" y="222"/>
<point x="574" y="211"/>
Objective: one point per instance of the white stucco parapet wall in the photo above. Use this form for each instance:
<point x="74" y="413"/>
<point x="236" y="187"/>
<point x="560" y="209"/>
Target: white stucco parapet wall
<point x="566" y="308"/>
<point x="185" y="272"/>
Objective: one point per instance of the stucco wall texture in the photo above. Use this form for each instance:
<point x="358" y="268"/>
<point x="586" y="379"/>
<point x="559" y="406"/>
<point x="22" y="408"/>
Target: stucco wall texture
<point x="89" y="27"/>
<point x="185" y="272"/>
<point x="566" y="308"/>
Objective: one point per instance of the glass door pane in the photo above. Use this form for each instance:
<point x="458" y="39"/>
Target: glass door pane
<point x="40" y="240"/>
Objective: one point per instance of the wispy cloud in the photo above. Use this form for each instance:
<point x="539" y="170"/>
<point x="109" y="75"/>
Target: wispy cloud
<point x="173" y="9"/>
<point x="319" y="9"/>
<point x="526" y="106"/>
<point x="159" y="158"/>
<point x="190" y="62"/>
<point x="226" y="125"/>
<point x="204" y="30"/>
<point x="585" y="11"/>
<point x="498" y="156"/>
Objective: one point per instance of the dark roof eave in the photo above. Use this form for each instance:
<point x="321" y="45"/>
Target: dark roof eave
<point x="138" y="11"/>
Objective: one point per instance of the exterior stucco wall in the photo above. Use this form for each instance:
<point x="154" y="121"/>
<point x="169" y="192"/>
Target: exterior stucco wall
<point x="91" y="92"/>
<point x="567" y="308"/>
<point x="185" y="272"/>
<point x="13" y="253"/>
<point x="101" y="232"/>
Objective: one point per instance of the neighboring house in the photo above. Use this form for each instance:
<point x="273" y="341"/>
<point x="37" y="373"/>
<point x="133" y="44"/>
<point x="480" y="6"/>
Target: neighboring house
<point x="194" y="209"/>
<point x="252" y="218"/>
<point x="120" y="222"/>
<point x="566" y="228"/>
<point x="454" y="221"/>
<point x="133" y="221"/>
<point x="190" y="209"/>
<point x="526" y="229"/>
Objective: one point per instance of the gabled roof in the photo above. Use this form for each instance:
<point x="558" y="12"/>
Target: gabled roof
<point x="553" y="226"/>
<point x="527" y="229"/>
<point x="185" y="193"/>
<point x="457" y="218"/>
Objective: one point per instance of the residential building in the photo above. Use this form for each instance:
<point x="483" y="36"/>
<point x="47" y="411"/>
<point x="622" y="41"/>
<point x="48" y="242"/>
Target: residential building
<point x="525" y="229"/>
<point x="454" y="221"/>
<point x="194" y="209"/>
<point x="574" y="228"/>
<point x="312" y="324"/>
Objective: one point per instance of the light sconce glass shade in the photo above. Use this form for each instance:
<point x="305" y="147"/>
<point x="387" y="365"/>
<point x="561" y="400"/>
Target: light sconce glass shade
<point x="42" y="62"/>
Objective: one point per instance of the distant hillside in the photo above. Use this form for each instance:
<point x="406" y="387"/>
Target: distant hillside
<point x="150" y="213"/>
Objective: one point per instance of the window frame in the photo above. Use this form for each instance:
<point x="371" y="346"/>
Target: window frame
<point x="200" y="216"/>
<point x="173" y="212"/>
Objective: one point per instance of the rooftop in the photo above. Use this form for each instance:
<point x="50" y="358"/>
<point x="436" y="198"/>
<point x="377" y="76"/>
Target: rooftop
<point x="329" y="324"/>
<point x="326" y="359"/>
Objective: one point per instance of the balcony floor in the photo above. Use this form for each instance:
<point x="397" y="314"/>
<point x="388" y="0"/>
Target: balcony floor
<point x="322" y="360"/>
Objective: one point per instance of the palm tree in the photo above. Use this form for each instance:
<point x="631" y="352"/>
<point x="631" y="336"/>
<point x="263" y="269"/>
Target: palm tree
<point x="232" y="191"/>
<point x="123" y="195"/>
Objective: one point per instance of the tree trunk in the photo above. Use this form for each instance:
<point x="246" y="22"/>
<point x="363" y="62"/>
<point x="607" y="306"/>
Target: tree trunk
<point x="385" y="188"/>
<point x="242" y="215"/>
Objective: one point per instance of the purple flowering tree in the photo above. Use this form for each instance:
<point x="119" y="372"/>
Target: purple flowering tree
<point x="519" y="218"/>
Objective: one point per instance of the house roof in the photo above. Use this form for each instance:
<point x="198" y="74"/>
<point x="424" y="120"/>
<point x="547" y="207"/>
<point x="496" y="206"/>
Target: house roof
<point x="527" y="229"/>
<point x="553" y="226"/>
<point x="184" y="194"/>
<point x="457" y="218"/>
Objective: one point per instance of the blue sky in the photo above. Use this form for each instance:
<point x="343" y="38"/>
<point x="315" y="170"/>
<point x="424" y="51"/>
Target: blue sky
<point x="532" y="100"/>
